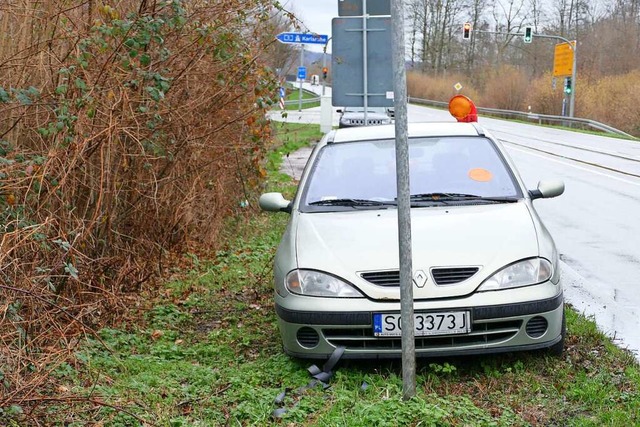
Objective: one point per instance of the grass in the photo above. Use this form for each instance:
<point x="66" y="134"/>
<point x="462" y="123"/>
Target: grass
<point x="293" y="94"/>
<point x="207" y="353"/>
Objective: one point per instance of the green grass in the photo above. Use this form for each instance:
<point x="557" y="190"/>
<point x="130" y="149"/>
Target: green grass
<point x="208" y="353"/>
<point x="293" y="94"/>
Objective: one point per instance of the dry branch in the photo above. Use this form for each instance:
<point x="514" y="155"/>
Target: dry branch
<point x="120" y="129"/>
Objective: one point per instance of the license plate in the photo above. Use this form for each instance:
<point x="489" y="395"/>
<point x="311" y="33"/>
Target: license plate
<point x="444" y="323"/>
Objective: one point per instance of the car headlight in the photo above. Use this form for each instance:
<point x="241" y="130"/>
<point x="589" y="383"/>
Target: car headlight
<point x="524" y="273"/>
<point x="317" y="284"/>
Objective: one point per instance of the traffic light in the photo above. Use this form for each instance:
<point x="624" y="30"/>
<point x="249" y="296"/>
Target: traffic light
<point x="466" y="31"/>
<point x="567" y="86"/>
<point x="528" y="34"/>
<point x="325" y="70"/>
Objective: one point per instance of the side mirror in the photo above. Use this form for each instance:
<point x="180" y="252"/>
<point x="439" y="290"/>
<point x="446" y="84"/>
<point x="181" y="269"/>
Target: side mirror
<point x="547" y="190"/>
<point x="339" y="110"/>
<point x="274" y="202"/>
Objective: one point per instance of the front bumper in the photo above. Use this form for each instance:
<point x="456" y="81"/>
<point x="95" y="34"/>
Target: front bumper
<point x="495" y="328"/>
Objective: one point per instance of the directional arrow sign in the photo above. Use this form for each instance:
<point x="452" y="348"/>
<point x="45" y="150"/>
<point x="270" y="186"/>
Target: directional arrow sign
<point x="302" y="38"/>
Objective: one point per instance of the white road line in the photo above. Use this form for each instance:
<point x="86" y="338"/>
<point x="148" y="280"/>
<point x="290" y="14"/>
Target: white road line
<point x="567" y="163"/>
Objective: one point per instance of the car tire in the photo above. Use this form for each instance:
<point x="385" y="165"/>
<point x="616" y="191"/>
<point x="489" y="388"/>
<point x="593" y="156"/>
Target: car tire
<point x="557" y="349"/>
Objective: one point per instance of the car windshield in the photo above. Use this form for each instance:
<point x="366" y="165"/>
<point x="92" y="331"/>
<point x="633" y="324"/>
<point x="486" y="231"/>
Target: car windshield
<point x="443" y="170"/>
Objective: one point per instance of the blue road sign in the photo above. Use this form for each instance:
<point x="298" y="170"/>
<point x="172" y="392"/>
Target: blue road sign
<point x="282" y="93"/>
<point x="303" y="38"/>
<point x="302" y="73"/>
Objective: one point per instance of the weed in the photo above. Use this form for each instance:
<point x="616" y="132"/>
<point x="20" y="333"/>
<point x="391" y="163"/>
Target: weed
<point x="209" y="354"/>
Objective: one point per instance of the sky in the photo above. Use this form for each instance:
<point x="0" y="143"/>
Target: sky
<point x="316" y="16"/>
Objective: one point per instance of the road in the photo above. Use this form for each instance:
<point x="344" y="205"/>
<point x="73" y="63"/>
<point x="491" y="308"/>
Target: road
<point x="596" y="223"/>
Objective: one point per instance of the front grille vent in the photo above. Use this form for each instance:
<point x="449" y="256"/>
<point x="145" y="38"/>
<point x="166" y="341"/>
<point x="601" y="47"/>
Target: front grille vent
<point x="483" y="333"/>
<point x="383" y="278"/>
<point x="308" y="337"/>
<point x="370" y="122"/>
<point x="453" y="275"/>
<point x="537" y="326"/>
<point x="441" y="276"/>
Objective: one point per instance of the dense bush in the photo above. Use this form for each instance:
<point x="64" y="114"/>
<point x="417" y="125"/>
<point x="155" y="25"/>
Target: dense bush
<point x="439" y="88"/>
<point x="612" y="100"/>
<point x="125" y="132"/>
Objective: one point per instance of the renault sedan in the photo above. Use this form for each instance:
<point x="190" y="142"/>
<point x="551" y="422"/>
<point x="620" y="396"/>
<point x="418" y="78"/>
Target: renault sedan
<point x="485" y="269"/>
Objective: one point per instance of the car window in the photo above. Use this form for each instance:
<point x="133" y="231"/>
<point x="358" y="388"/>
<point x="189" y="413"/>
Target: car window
<point x="366" y="170"/>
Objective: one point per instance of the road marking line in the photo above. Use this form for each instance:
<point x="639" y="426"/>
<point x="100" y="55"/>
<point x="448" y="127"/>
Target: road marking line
<point x="575" y="166"/>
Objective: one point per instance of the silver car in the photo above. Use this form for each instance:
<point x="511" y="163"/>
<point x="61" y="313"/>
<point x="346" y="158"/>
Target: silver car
<point x="485" y="269"/>
<point x="354" y="116"/>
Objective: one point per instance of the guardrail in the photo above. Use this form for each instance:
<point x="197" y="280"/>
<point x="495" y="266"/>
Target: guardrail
<point x="304" y="101"/>
<point x="572" y="122"/>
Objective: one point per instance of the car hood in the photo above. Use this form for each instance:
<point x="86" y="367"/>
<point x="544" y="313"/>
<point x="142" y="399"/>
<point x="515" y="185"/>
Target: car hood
<point x="348" y="244"/>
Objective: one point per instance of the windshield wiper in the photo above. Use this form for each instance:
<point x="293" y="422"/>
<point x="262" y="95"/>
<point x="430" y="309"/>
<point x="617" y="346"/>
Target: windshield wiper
<point x="352" y="202"/>
<point x="457" y="197"/>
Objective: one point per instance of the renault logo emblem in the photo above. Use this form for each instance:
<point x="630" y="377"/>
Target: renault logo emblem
<point x="420" y="278"/>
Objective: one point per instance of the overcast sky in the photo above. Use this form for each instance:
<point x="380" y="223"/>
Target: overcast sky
<point x="316" y="16"/>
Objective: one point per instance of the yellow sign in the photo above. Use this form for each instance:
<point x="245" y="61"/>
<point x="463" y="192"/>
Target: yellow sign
<point x="563" y="60"/>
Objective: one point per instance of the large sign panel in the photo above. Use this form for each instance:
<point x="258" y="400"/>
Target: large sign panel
<point x="563" y="60"/>
<point x="302" y="38"/>
<point x="348" y="63"/>
<point x="354" y="7"/>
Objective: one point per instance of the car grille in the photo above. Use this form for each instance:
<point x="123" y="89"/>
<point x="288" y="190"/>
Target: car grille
<point x="370" y="122"/>
<point x="383" y="278"/>
<point x="451" y="276"/>
<point x="441" y="276"/>
<point x="482" y="334"/>
<point x="537" y="326"/>
<point x="308" y="337"/>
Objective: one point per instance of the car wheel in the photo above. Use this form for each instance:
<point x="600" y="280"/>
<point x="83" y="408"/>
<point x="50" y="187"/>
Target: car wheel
<point x="557" y="349"/>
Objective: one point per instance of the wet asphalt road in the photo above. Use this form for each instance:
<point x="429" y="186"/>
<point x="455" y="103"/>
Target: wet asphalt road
<point x="595" y="223"/>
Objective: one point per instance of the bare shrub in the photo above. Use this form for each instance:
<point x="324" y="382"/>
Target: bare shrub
<point x="506" y="88"/>
<point x="125" y="132"/>
<point x="439" y="88"/>
<point x="612" y="100"/>
<point x="543" y="98"/>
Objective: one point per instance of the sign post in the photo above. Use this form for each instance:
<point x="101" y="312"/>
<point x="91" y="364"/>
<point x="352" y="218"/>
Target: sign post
<point x="564" y="65"/>
<point x="404" y="201"/>
<point x="302" y="39"/>
<point x="302" y="75"/>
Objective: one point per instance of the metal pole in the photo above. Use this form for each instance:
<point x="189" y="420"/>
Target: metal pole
<point x="404" y="200"/>
<point x="572" y="102"/>
<point x="365" y="82"/>
<point x="300" y="89"/>
<point x="324" y="65"/>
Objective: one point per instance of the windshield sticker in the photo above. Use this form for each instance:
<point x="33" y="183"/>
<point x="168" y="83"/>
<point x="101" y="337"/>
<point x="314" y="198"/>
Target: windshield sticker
<point x="480" y="175"/>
